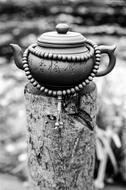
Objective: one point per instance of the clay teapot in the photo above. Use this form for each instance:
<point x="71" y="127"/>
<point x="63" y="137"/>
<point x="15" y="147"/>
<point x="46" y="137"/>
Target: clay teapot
<point x="62" y="62"/>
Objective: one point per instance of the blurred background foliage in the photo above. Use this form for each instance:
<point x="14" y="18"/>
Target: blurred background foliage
<point x="22" y="21"/>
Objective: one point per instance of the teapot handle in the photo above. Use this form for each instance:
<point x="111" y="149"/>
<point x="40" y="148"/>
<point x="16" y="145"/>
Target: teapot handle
<point x="109" y="50"/>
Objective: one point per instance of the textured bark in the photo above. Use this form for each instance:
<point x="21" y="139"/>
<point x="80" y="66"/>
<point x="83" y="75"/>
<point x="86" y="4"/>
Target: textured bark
<point x="123" y="160"/>
<point x="61" y="159"/>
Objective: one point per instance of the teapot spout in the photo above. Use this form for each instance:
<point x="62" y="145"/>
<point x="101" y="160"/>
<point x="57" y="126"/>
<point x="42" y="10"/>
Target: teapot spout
<point x="18" y="54"/>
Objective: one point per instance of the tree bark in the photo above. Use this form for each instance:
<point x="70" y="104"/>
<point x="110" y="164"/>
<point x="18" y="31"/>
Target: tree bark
<point x="123" y="160"/>
<point x="61" y="159"/>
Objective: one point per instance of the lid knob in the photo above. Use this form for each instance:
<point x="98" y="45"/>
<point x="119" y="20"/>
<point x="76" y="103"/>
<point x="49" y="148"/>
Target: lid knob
<point x="62" y="28"/>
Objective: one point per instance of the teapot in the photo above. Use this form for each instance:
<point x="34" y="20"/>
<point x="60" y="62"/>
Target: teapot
<point x="62" y="62"/>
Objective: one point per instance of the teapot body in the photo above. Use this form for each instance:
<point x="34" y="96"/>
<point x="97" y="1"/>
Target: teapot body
<point x="58" y="69"/>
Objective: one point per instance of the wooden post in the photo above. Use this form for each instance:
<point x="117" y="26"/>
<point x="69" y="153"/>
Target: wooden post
<point x="123" y="139"/>
<point x="61" y="159"/>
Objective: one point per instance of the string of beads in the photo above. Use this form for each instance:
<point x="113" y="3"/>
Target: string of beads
<point x="59" y="57"/>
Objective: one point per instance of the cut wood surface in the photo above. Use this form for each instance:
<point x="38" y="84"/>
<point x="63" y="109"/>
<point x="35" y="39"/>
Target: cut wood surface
<point x="61" y="158"/>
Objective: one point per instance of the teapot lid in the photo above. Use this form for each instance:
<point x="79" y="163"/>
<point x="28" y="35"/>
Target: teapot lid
<point x="62" y="37"/>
